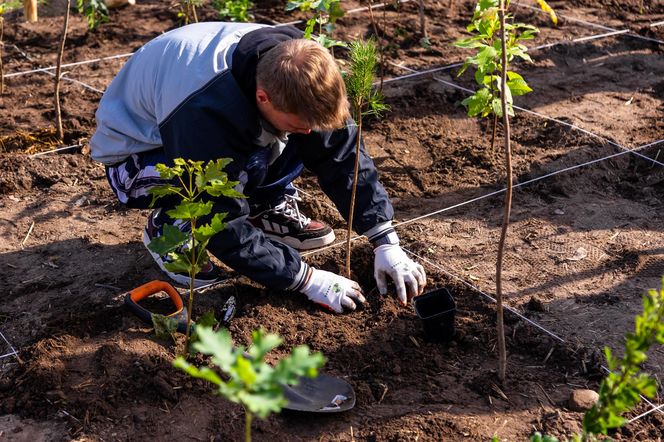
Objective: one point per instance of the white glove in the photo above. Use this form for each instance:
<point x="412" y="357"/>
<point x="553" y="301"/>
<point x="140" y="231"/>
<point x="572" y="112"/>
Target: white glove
<point x="332" y="291"/>
<point x="392" y="261"/>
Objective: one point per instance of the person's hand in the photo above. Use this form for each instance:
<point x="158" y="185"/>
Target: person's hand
<point x="332" y="291"/>
<point x="407" y="275"/>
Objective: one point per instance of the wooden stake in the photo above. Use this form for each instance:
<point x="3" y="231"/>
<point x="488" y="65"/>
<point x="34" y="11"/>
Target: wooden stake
<point x="30" y="9"/>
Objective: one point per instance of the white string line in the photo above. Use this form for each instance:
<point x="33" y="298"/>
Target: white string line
<point x="13" y="350"/>
<point x="564" y="123"/>
<point x="85" y="85"/>
<point x="630" y="33"/>
<point x="415" y="73"/>
<point x="659" y="23"/>
<point x="477" y="289"/>
<point x="481" y="197"/>
<point x="657" y="408"/>
<point x="129" y="54"/>
<point x="645" y="399"/>
<point x="78" y="63"/>
<point x="516" y="312"/>
<point x="581" y="39"/>
<point x="349" y="12"/>
<point x="56" y="150"/>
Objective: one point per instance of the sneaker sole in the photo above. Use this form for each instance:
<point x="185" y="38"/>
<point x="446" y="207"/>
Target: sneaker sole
<point x="180" y="279"/>
<point x="307" y="244"/>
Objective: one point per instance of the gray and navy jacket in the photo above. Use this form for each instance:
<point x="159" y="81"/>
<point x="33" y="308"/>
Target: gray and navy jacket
<point x="191" y="92"/>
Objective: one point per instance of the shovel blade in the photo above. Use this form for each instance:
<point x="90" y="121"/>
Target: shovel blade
<point x="322" y="394"/>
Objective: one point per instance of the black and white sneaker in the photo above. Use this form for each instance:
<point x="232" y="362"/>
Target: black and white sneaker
<point x="285" y="223"/>
<point x="208" y="275"/>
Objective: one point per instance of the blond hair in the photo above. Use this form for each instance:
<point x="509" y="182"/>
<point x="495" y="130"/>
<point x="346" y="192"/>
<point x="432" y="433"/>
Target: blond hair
<point x="302" y="78"/>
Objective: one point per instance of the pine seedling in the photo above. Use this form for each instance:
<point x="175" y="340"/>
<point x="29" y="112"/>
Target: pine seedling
<point x="326" y="13"/>
<point x="365" y="100"/>
<point x="497" y="42"/>
<point x="623" y="387"/>
<point x="190" y="181"/>
<point x="254" y="384"/>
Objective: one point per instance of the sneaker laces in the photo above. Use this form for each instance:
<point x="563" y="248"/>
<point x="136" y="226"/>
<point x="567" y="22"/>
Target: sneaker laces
<point x="290" y="209"/>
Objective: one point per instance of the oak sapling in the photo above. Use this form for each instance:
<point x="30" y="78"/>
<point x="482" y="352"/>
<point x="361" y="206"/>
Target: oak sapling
<point x="253" y="383"/>
<point x="235" y="10"/>
<point x="326" y="13"/>
<point x="95" y="12"/>
<point x="497" y="42"/>
<point x="190" y="181"/>
<point x="621" y="389"/>
<point x="364" y="100"/>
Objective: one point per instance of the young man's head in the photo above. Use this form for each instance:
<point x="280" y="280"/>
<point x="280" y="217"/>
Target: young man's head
<point x="299" y="88"/>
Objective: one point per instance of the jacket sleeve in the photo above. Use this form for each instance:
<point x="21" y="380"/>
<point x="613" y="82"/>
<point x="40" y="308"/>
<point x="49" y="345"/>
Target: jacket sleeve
<point x="202" y="129"/>
<point x="331" y="156"/>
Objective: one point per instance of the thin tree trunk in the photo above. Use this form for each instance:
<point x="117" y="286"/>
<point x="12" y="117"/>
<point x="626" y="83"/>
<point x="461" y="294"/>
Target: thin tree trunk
<point x="382" y="52"/>
<point x="58" y="69"/>
<point x="354" y="191"/>
<point x="502" y="353"/>
<point x="378" y="41"/>
<point x="30" y="10"/>
<point x="192" y="277"/>
<point x="2" y="67"/>
<point x="247" y="425"/>
<point x="423" y="21"/>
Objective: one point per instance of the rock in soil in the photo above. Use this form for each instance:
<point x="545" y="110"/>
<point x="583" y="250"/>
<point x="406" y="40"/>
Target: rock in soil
<point x="582" y="400"/>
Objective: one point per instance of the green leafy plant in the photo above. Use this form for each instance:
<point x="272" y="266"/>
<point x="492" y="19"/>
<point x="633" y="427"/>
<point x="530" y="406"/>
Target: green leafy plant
<point x="95" y="12"/>
<point x="254" y="384"/>
<point x="326" y="13"/>
<point x="235" y="10"/>
<point x="623" y="387"/>
<point x="187" y="10"/>
<point x="190" y="181"/>
<point x="538" y="437"/>
<point x="365" y="100"/>
<point x="497" y="42"/>
<point x="5" y="7"/>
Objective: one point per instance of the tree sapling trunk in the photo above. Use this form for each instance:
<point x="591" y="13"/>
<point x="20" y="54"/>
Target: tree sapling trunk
<point x="359" y="83"/>
<point x="502" y="353"/>
<point x="58" y="75"/>
<point x="2" y="45"/>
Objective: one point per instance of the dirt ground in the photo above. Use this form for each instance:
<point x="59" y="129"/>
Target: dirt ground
<point x="586" y="241"/>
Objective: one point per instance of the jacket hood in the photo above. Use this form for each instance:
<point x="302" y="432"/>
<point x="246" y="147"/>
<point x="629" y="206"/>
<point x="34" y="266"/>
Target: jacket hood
<point x="249" y="50"/>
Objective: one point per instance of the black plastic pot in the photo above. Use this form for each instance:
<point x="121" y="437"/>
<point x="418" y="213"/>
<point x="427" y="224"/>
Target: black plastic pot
<point x="436" y="309"/>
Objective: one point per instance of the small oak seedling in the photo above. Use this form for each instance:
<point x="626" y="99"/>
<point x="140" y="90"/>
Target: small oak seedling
<point x="190" y="181"/>
<point x="95" y="12"/>
<point x="254" y="384"/>
<point x="326" y="13"/>
<point x="622" y="388"/>
<point x="235" y="10"/>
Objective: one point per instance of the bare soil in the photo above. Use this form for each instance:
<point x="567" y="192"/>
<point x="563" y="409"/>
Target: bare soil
<point x="583" y="247"/>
